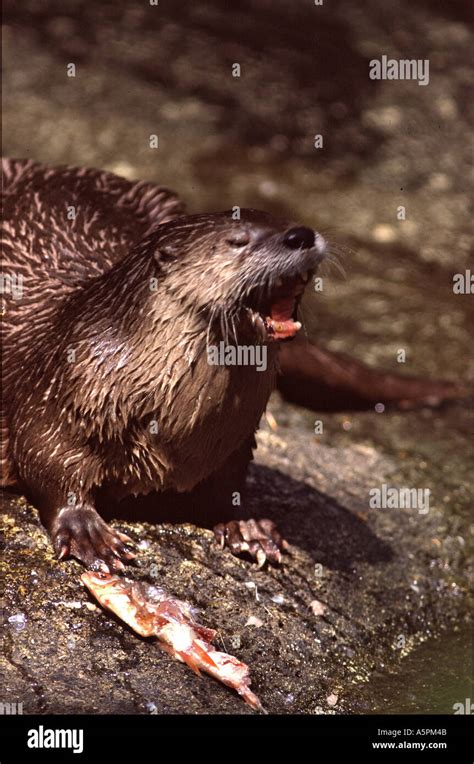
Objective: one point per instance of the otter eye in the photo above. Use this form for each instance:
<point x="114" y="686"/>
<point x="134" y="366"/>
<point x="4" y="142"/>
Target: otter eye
<point x="238" y="239"/>
<point x="165" y="254"/>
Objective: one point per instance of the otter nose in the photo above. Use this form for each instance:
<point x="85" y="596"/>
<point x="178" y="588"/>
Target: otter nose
<point x="299" y="238"/>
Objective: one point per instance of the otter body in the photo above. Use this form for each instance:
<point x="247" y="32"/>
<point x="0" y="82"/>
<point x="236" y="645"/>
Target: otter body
<point x="112" y="300"/>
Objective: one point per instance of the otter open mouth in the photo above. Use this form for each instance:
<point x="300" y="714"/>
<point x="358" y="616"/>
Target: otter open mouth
<point x="276" y="316"/>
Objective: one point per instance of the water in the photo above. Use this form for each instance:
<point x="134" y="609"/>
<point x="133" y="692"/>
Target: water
<point x="431" y="680"/>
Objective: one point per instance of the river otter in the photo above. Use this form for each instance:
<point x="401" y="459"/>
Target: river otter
<point x="113" y="298"/>
<point x="107" y="380"/>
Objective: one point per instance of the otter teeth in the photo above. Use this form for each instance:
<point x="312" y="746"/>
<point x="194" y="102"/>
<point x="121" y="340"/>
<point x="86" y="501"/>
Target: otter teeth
<point x="305" y="276"/>
<point x="253" y="315"/>
<point x="279" y="282"/>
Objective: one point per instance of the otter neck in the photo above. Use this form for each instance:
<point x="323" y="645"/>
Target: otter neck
<point x="128" y="341"/>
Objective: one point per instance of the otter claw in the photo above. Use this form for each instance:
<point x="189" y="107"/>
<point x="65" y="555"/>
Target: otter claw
<point x="258" y="538"/>
<point x="63" y="552"/>
<point x="261" y="558"/>
<point x="126" y="539"/>
<point x="219" y="533"/>
<point x="81" y="533"/>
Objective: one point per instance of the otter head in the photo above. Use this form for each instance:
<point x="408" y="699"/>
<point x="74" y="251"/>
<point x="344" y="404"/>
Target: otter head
<point x="245" y="275"/>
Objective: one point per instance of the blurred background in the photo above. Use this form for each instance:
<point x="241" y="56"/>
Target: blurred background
<point x="166" y="70"/>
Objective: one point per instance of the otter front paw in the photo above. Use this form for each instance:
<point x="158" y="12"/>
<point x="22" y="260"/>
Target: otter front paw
<point x="258" y="538"/>
<point x="80" y="532"/>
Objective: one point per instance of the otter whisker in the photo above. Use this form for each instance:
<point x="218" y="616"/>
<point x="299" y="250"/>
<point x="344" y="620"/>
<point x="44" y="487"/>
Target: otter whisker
<point x="234" y="331"/>
<point x="209" y="327"/>
<point x="303" y="320"/>
<point x="332" y="261"/>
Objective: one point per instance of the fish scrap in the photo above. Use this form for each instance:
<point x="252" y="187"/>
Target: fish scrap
<point x="151" y="612"/>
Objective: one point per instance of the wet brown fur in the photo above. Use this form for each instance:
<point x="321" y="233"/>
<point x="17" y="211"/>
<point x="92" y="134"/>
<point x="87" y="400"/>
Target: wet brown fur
<point x="106" y="380"/>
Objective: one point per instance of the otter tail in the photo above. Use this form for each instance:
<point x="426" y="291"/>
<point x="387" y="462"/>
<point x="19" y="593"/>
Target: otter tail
<point x="318" y="379"/>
